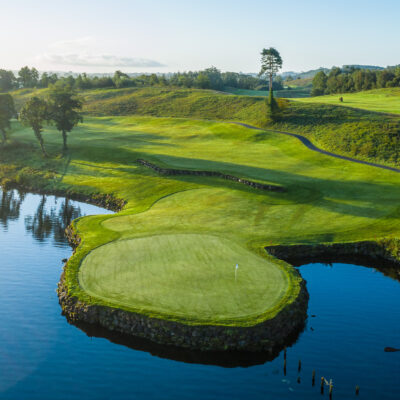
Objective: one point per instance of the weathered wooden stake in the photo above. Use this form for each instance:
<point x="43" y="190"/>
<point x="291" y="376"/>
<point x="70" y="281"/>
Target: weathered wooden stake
<point x="284" y="354"/>
<point x="357" y="390"/>
<point x="299" y="368"/>
<point x="313" y="377"/>
<point x="298" y="380"/>
<point x="330" y="390"/>
<point x="322" y="385"/>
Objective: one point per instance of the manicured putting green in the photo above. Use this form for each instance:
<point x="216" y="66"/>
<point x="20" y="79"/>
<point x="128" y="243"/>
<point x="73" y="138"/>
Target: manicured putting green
<point x="184" y="276"/>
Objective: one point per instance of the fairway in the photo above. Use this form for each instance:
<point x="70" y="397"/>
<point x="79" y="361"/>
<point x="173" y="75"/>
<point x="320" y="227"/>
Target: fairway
<point x="171" y="252"/>
<point x="379" y="100"/>
<point x="186" y="276"/>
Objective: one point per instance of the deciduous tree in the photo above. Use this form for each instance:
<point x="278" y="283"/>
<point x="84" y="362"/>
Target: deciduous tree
<point x="34" y="114"/>
<point x="7" y="111"/>
<point x="64" y="110"/>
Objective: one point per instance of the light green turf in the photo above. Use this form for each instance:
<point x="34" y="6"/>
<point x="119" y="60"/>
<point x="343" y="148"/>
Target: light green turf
<point x="187" y="276"/>
<point x="380" y="100"/>
<point x="285" y="93"/>
<point x="327" y="200"/>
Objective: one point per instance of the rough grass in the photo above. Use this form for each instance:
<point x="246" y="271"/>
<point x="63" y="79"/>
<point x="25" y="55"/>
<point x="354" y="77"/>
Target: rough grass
<point x="379" y="100"/>
<point x="348" y="131"/>
<point x="327" y="200"/>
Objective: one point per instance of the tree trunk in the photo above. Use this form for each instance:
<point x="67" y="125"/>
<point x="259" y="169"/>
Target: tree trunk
<point x="3" y="133"/>
<point x="65" y="147"/>
<point x="270" y="82"/>
<point x="40" y="139"/>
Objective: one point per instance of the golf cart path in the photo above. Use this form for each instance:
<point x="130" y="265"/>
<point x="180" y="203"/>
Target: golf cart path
<point x="311" y="146"/>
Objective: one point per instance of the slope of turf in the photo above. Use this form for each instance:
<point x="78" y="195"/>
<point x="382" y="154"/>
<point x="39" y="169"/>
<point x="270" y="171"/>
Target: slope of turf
<point x="327" y="200"/>
<point x="357" y="133"/>
<point x="379" y="100"/>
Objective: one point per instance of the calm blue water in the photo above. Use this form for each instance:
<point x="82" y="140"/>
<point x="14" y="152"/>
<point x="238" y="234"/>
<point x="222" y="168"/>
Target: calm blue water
<point x="357" y="314"/>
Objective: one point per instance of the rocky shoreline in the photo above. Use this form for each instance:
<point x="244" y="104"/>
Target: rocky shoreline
<point x="269" y="336"/>
<point x="383" y="253"/>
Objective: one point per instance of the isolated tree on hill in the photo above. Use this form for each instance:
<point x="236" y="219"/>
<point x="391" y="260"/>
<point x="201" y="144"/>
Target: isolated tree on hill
<point x="34" y="114"/>
<point x="271" y="63"/>
<point x="64" y="110"/>
<point x="7" y="111"/>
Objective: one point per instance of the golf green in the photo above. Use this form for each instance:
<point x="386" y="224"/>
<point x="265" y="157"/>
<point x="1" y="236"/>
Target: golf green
<point x="183" y="276"/>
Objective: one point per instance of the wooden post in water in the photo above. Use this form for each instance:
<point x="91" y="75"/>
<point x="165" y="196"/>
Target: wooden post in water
<point x="330" y="390"/>
<point x="322" y="385"/>
<point x="284" y="354"/>
<point x="313" y="377"/>
<point x="299" y="368"/>
<point x="284" y="367"/>
<point x="357" y="390"/>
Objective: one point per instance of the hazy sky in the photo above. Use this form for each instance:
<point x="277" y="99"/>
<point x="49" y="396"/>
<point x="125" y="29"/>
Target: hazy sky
<point x="180" y="35"/>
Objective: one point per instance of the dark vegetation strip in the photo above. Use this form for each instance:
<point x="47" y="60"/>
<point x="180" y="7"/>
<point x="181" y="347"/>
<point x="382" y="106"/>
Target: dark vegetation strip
<point x="169" y="171"/>
<point x="311" y="146"/>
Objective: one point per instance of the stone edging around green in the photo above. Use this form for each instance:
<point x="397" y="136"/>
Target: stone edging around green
<point x="267" y="336"/>
<point x="169" y="171"/>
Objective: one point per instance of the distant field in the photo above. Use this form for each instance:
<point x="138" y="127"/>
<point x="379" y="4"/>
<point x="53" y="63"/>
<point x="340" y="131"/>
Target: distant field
<point x="380" y="100"/>
<point x="291" y="93"/>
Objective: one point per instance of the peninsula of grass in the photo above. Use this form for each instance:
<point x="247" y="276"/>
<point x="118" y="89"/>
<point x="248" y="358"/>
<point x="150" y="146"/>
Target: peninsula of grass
<point x="171" y="253"/>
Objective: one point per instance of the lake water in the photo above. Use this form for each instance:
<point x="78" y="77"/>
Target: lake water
<point x="356" y="314"/>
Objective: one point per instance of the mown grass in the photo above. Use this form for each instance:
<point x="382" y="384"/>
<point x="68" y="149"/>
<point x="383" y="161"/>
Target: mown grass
<point x="379" y="100"/>
<point x="327" y="200"/>
<point x="357" y="133"/>
<point x="286" y="93"/>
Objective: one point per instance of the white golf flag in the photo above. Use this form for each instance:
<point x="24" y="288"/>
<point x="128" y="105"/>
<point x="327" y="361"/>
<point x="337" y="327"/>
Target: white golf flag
<point x="237" y="267"/>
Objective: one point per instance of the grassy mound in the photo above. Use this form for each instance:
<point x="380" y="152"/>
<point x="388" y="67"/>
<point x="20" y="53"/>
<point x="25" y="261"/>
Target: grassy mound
<point x="184" y="276"/>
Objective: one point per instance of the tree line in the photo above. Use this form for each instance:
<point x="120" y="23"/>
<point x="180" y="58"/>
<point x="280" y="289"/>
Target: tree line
<point x="354" y="80"/>
<point x="61" y="108"/>
<point x="210" y="78"/>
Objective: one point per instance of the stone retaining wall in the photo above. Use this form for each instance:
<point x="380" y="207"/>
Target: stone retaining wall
<point x="383" y="250"/>
<point x="268" y="336"/>
<point x="169" y="171"/>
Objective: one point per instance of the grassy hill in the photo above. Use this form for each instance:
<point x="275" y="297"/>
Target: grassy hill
<point x="200" y="227"/>
<point x="379" y="100"/>
<point x="348" y="131"/>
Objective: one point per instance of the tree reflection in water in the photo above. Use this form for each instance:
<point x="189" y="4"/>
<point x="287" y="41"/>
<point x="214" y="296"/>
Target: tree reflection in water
<point x="50" y="220"/>
<point x="10" y="206"/>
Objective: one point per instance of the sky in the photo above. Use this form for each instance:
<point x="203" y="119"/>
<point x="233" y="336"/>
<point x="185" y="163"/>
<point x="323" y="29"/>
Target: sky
<point x="183" y="35"/>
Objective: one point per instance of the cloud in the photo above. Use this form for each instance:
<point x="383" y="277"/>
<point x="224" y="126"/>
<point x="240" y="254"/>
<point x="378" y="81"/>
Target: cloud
<point x="102" y="60"/>
<point x="74" y="43"/>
